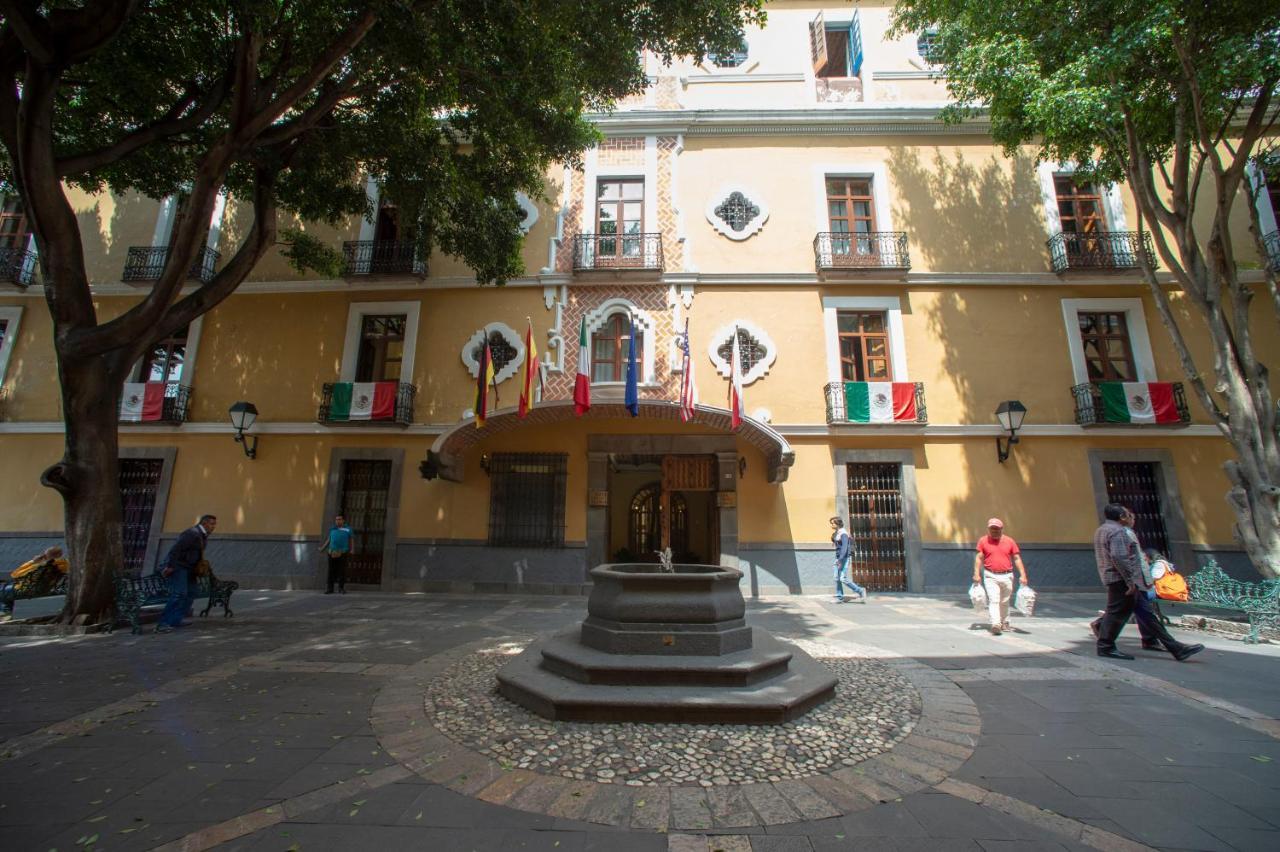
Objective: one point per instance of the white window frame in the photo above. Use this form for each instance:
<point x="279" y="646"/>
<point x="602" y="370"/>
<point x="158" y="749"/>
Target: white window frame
<point x="12" y="316"/>
<point x="645" y="325"/>
<point x="891" y="305"/>
<point x="169" y="209"/>
<point x="356" y="312"/>
<point x="879" y="177"/>
<point x="1268" y="218"/>
<point x="594" y="172"/>
<point x="1112" y="201"/>
<point x="188" y="354"/>
<point x="1135" y="321"/>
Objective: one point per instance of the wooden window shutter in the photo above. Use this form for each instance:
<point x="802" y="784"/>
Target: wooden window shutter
<point x="818" y="42"/>
<point x="855" y="46"/>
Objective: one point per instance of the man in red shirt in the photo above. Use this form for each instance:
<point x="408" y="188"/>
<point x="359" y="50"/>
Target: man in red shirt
<point x="993" y="566"/>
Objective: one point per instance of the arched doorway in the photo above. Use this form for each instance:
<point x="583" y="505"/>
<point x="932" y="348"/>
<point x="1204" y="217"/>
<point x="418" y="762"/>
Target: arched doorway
<point x="644" y="524"/>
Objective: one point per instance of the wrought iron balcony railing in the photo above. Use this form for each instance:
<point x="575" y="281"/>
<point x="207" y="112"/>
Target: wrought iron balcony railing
<point x="17" y="266"/>
<point x="173" y="409"/>
<point x="1271" y="242"/>
<point x="382" y="257"/>
<point x="145" y="263"/>
<point x="861" y="250"/>
<point x="342" y="402"/>
<point x="1099" y="250"/>
<point x="843" y="408"/>
<point x="1092" y="408"/>
<point x="613" y="251"/>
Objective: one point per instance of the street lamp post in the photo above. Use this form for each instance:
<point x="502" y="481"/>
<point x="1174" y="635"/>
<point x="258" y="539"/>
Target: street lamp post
<point x="243" y="414"/>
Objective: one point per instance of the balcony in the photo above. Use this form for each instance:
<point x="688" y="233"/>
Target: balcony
<point x="17" y="266"/>
<point x="613" y="253"/>
<point x="1099" y="251"/>
<point x="856" y="251"/>
<point x="838" y="90"/>
<point x="382" y="257"/>
<point x="876" y="403"/>
<point x="1271" y="243"/>
<point x="162" y="403"/>
<point x="145" y="263"/>
<point x="1131" y="404"/>
<point x="367" y="403"/>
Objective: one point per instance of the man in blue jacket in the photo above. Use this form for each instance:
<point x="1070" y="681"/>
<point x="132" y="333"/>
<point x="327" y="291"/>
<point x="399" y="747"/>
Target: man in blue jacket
<point x="844" y="550"/>
<point x="179" y="566"/>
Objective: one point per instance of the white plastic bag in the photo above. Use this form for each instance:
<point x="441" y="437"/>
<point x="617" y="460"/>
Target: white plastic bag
<point x="978" y="596"/>
<point x="1025" y="601"/>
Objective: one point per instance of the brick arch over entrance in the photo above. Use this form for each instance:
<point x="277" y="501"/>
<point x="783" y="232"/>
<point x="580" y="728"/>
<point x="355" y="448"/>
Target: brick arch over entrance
<point x="446" y="454"/>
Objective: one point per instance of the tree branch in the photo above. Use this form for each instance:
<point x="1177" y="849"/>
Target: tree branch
<point x="31" y="30"/>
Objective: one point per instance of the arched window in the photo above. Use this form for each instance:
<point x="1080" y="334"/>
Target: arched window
<point x="609" y="350"/>
<point x="644" y="527"/>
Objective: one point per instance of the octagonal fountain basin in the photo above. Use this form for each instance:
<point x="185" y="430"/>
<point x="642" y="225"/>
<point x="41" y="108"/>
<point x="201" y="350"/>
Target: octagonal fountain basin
<point x="666" y="647"/>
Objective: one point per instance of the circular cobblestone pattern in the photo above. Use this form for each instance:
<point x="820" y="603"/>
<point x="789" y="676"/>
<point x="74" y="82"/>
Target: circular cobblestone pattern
<point x="874" y="709"/>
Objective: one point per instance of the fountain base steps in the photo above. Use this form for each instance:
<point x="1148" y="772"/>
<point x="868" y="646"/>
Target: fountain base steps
<point x="770" y="683"/>
<point x="566" y="656"/>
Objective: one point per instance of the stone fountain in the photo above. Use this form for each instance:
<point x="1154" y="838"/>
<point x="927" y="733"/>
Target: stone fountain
<point x="666" y="643"/>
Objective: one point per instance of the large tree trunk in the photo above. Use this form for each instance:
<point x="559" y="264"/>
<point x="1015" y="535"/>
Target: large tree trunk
<point x="88" y="478"/>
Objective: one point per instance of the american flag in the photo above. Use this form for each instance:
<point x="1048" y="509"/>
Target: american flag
<point x="688" y="390"/>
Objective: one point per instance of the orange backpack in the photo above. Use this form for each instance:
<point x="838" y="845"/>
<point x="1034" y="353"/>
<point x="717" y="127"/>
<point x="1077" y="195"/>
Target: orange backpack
<point x="1172" y="587"/>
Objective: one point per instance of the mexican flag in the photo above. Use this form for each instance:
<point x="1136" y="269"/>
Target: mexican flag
<point x="363" y="401"/>
<point x="141" y="401"/>
<point x="582" y="382"/>
<point x="880" y="402"/>
<point x="1138" y="402"/>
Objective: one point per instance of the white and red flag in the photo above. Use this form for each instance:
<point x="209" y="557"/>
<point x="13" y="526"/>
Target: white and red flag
<point x="142" y="401"/>
<point x="736" y="403"/>
<point x="688" y="388"/>
<point x="582" y="382"/>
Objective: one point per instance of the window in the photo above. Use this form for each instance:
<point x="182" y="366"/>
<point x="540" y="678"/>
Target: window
<point x="927" y="46"/>
<point x="850" y="207"/>
<point x="386" y="227"/>
<point x="835" y="48"/>
<point x="9" y="316"/>
<point x="381" y="353"/>
<point x="13" y="224"/>
<point x="733" y="59"/>
<point x="501" y="351"/>
<point x="526" y="499"/>
<point x="620" y="212"/>
<point x="609" y="350"/>
<point x="752" y="350"/>
<point x="1108" y="353"/>
<point x="1079" y="206"/>
<point x="165" y="360"/>
<point x="864" y="346"/>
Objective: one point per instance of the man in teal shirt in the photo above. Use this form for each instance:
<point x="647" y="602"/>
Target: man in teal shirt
<point x="338" y="547"/>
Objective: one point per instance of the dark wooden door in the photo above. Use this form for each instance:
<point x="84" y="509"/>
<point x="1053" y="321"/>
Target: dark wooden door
<point x="139" y="482"/>
<point x="875" y="524"/>
<point x="1136" y="485"/>
<point x="366" y="487"/>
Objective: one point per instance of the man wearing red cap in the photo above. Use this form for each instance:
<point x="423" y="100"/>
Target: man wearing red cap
<point x="993" y="566"/>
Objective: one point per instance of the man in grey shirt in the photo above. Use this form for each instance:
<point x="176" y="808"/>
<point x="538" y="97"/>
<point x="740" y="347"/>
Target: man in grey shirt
<point x="1120" y="569"/>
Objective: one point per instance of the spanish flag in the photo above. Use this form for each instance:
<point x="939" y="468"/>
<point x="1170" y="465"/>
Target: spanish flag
<point x="531" y="373"/>
<point x="484" y="378"/>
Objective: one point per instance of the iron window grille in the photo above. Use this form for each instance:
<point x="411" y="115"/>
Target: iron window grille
<point x="17" y="266"/>
<point x="753" y="351"/>
<point x="146" y="263"/>
<point x="732" y="59"/>
<point x="1090" y="410"/>
<point x="737" y="211"/>
<point x="526" y="499"/>
<point x="501" y="350"/>
<point x="927" y="46"/>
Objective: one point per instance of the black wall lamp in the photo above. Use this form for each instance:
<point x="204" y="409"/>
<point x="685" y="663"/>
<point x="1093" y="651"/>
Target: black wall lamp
<point x="243" y="414"/>
<point x="484" y="463"/>
<point x="1010" y="414"/>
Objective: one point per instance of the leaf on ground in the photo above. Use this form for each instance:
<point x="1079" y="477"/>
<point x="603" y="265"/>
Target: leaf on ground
<point x="271" y="810"/>
<point x="640" y="803"/>
<point x="128" y="830"/>
<point x="98" y="818"/>
<point x="294" y="848"/>
<point x="359" y="803"/>
<point x="362" y="772"/>
<point x="251" y="760"/>
<point x="81" y="778"/>
<point x="92" y="840"/>
<point x="1261" y="758"/>
<point x="94" y="802"/>
<point x="419" y="816"/>
<point x="354" y="811"/>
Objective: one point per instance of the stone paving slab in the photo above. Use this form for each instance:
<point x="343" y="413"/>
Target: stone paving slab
<point x="286" y="728"/>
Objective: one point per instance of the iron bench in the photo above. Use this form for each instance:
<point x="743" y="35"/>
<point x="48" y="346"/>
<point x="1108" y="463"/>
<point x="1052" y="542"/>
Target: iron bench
<point x="1211" y="588"/>
<point x="133" y="593"/>
<point x="41" y="583"/>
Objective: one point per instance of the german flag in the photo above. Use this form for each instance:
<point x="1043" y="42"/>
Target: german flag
<point x="484" y="378"/>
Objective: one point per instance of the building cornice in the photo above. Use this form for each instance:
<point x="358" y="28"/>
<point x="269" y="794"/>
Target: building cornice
<point x="918" y="280"/>
<point x="846" y="120"/>
<point x="788" y="430"/>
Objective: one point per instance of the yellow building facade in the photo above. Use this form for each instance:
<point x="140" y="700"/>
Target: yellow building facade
<point x="800" y="196"/>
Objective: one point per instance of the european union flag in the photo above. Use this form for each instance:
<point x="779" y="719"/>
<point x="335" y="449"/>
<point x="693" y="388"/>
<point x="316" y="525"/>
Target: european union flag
<point x="632" y="398"/>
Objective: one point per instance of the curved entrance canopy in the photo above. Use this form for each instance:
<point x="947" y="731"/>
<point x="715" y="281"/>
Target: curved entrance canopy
<point x="446" y="454"/>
